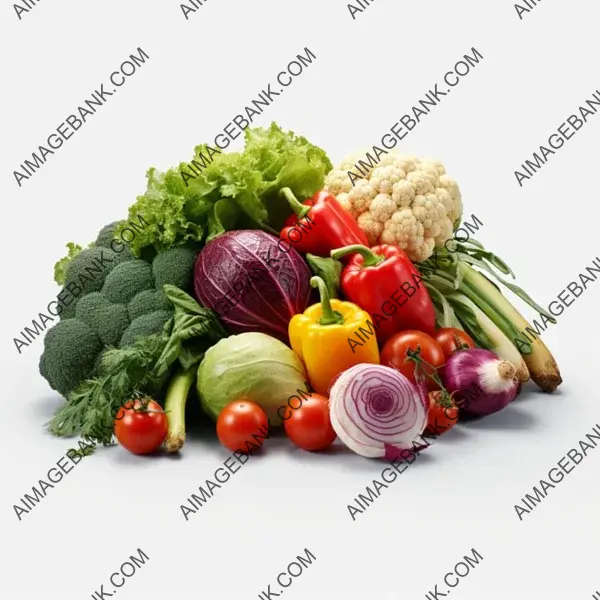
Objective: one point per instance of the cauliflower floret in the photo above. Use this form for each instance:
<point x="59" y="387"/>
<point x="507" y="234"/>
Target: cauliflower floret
<point x="349" y="161"/>
<point x="338" y="182"/>
<point x="455" y="211"/>
<point x="444" y="234"/>
<point x="420" y="182"/>
<point x="430" y="172"/>
<point x="382" y="208"/>
<point x="346" y="204"/>
<point x="436" y="164"/>
<point x="361" y="196"/>
<point x="445" y="198"/>
<point x="388" y="159"/>
<point x="403" y="193"/>
<point x="430" y="212"/>
<point x="406" y="162"/>
<point x="371" y="227"/>
<point x="383" y="178"/>
<point x="421" y="252"/>
<point x="404" y="200"/>
<point x="402" y="229"/>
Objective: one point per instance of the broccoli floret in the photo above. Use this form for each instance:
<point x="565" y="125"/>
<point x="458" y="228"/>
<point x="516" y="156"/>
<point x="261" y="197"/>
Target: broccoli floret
<point x="70" y="351"/>
<point x="87" y="273"/>
<point x="163" y="302"/>
<point x="148" y="301"/>
<point x="144" y="326"/>
<point x="128" y="279"/>
<point x="107" y="320"/>
<point x="174" y="266"/>
<point x="67" y="312"/>
<point x="109" y="233"/>
<point x="88" y="270"/>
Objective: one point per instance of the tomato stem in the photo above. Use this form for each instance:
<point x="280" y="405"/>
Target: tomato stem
<point x="415" y="356"/>
<point x="446" y="399"/>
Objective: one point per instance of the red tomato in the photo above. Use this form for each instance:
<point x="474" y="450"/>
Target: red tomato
<point x="452" y="340"/>
<point x="141" y="427"/>
<point x="238" y="422"/>
<point x="309" y="426"/>
<point x="395" y="354"/>
<point x="443" y="413"/>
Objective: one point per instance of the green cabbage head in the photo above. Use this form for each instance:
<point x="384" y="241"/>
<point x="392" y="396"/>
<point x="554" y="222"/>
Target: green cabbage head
<point x="252" y="366"/>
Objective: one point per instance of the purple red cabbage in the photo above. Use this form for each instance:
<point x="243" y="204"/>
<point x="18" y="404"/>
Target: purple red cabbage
<point x="252" y="282"/>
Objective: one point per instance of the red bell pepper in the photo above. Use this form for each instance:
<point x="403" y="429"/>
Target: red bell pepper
<point x="320" y="224"/>
<point x="384" y="282"/>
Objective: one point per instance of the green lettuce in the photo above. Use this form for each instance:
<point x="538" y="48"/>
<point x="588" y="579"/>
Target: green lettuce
<point x="60" y="267"/>
<point x="236" y="190"/>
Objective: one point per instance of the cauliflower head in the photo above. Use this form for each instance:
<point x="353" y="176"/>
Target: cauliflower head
<point x="406" y="201"/>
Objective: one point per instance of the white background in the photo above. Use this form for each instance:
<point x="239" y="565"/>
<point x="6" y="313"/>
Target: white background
<point x="460" y="494"/>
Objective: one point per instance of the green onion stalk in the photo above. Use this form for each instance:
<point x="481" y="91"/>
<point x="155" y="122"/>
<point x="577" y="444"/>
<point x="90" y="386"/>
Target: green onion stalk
<point x="175" y="402"/>
<point x="464" y="295"/>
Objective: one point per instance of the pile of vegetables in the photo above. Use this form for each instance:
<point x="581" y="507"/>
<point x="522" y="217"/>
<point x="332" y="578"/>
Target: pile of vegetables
<point x="413" y="204"/>
<point x="282" y="291"/>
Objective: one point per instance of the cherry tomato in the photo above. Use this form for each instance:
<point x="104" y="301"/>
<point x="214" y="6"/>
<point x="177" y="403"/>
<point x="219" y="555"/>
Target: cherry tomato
<point x="238" y="422"/>
<point x="141" y="426"/>
<point x="443" y="413"/>
<point x="309" y="426"/>
<point x="452" y="340"/>
<point x="395" y="354"/>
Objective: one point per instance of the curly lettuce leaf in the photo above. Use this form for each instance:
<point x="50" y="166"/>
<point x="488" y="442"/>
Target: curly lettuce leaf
<point x="235" y="190"/>
<point x="235" y="177"/>
<point x="164" y="206"/>
<point x="285" y="160"/>
<point x="60" y="267"/>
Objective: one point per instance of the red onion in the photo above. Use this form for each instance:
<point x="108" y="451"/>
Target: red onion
<point x="376" y="411"/>
<point x="484" y="382"/>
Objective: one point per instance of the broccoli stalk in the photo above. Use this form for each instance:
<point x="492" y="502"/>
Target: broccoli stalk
<point x="175" y="402"/>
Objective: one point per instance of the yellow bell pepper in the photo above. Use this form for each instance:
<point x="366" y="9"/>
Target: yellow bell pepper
<point x="322" y="337"/>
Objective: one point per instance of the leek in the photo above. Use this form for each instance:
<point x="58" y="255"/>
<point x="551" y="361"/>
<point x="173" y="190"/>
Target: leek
<point x="480" y="306"/>
<point x="476" y="323"/>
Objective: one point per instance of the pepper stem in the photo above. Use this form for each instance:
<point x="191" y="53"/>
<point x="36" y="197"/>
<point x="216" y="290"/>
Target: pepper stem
<point x="370" y="258"/>
<point x="329" y="316"/>
<point x="299" y="209"/>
